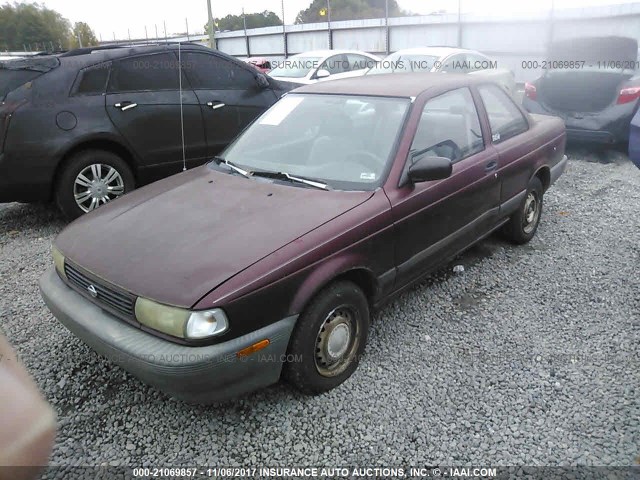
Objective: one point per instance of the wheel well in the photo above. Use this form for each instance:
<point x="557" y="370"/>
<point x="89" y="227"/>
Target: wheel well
<point x="107" y="145"/>
<point x="363" y="279"/>
<point x="544" y="175"/>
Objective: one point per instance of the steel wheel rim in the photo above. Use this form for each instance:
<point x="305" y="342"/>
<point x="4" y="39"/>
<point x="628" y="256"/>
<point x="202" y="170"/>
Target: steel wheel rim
<point x="531" y="212"/>
<point x="337" y="341"/>
<point x="96" y="185"/>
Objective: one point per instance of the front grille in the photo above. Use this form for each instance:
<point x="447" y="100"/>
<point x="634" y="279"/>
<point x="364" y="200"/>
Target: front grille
<point x="116" y="301"/>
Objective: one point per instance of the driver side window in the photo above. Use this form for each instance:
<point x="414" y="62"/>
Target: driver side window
<point x="449" y="127"/>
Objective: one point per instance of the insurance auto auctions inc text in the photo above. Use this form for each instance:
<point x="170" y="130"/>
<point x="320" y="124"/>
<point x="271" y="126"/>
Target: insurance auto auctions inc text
<point x="375" y="472"/>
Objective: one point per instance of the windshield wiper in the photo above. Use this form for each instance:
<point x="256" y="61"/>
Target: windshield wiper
<point x="220" y="160"/>
<point x="286" y="176"/>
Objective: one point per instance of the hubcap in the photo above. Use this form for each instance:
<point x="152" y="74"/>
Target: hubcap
<point x="531" y="212"/>
<point x="337" y="342"/>
<point x="96" y="185"/>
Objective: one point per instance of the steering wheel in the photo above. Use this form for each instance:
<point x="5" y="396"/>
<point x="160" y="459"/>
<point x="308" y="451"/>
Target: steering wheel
<point x="367" y="159"/>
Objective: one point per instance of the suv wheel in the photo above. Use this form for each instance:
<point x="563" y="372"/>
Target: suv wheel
<point x="90" y="179"/>
<point x="329" y="339"/>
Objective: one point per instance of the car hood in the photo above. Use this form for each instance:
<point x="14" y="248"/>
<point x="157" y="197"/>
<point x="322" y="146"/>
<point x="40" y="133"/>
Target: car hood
<point x="177" y="239"/>
<point x="594" y="49"/>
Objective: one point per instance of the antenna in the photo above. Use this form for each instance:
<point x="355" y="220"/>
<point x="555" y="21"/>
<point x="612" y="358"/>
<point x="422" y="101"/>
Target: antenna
<point x="184" y="156"/>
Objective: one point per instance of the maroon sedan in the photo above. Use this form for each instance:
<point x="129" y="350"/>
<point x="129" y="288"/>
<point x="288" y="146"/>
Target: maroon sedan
<point x="268" y="261"/>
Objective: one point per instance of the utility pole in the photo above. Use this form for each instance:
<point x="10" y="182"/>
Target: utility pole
<point x="386" y="26"/>
<point x="166" y="40"/>
<point x="186" y="22"/>
<point x="460" y="23"/>
<point x="284" y="32"/>
<point x="212" y="40"/>
<point x="146" y="35"/>
<point x="246" y="37"/>
<point x="329" y="24"/>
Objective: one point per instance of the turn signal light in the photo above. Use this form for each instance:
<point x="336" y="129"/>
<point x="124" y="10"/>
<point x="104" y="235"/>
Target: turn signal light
<point x="256" y="347"/>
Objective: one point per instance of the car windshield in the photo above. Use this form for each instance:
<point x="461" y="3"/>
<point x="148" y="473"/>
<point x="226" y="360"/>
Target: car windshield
<point x="396" y="63"/>
<point x="295" y="67"/>
<point x="343" y="141"/>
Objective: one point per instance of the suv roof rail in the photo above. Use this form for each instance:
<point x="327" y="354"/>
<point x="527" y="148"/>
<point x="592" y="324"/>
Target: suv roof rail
<point x="88" y="50"/>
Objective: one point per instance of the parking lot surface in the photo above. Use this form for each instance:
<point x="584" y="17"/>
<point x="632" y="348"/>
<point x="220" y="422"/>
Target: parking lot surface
<point x="530" y="356"/>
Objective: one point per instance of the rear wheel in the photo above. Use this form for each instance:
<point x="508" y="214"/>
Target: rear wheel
<point x="90" y="179"/>
<point x="329" y="339"/>
<point x="524" y="223"/>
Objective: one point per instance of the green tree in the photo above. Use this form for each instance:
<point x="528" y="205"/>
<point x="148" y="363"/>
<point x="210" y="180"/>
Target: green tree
<point x="348" y="10"/>
<point x="254" y="20"/>
<point x="82" y="35"/>
<point x="24" y="24"/>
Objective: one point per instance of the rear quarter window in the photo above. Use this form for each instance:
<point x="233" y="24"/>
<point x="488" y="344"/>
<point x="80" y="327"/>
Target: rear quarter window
<point x="12" y="79"/>
<point x="92" y="81"/>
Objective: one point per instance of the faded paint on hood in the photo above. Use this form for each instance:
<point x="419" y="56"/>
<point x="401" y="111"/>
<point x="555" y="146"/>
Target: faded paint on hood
<point x="177" y="239"/>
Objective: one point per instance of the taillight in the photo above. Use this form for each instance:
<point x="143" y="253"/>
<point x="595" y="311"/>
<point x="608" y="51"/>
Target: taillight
<point x="628" y="94"/>
<point x="530" y="91"/>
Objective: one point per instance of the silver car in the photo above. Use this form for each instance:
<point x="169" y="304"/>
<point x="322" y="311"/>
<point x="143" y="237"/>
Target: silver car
<point x="446" y="60"/>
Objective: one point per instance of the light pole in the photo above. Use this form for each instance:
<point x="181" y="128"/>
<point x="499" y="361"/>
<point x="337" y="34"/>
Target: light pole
<point x="212" y="41"/>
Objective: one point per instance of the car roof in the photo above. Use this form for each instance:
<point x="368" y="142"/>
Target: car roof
<point x="433" y="51"/>
<point x="405" y="85"/>
<point x="328" y="53"/>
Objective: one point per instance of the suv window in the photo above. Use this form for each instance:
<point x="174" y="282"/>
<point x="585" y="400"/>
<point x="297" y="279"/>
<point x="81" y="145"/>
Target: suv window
<point x="93" y="80"/>
<point x="210" y="72"/>
<point x="449" y="127"/>
<point x="145" y="73"/>
<point x="505" y="117"/>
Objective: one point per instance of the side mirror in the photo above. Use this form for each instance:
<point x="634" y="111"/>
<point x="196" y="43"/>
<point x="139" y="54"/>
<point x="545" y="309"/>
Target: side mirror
<point x="262" y="81"/>
<point x="430" y="168"/>
<point x="322" y="73"/>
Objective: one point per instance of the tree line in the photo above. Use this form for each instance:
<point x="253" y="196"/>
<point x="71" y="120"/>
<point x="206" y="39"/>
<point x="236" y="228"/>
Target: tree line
<point x="317" y="12"/>
<point x="30" y="26"/>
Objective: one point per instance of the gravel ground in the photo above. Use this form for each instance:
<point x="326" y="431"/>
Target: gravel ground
<point x="531" y="356"/>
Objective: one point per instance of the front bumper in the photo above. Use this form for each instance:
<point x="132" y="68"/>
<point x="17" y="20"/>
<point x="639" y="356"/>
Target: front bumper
<point x="208" y="374"/>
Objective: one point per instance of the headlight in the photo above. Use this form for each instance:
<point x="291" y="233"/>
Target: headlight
<point x="179" y="322"/>
<point x="58" y="261"/>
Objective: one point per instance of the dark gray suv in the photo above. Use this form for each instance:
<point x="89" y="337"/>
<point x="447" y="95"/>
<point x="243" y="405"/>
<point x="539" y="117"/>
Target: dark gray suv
<point x="89" y="125"/>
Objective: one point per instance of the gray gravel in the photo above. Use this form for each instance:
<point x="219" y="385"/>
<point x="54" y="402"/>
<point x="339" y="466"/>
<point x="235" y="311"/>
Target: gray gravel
<point x="530" y="356"/>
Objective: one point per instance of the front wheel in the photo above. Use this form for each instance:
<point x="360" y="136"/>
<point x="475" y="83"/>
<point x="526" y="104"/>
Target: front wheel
<point x="524" y="223"/>
<point x="90" y="179"/>
<point x="329" y="339"/>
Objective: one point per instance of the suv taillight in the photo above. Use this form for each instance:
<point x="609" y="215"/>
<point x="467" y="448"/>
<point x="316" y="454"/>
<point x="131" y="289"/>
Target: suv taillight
<point x="7" y="109"/>
<point x="628" y="94"/>
<point x="530" y="91"/>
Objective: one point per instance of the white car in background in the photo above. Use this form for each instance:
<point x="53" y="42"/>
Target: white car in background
<point x="446" y="60"/>
<point x="318" y="65"/>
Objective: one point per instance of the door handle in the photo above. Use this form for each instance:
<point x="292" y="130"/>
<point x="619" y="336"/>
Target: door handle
<point x="215" y="106"/>
<point x="491" y="166"/>
<point x="124" y="106"/>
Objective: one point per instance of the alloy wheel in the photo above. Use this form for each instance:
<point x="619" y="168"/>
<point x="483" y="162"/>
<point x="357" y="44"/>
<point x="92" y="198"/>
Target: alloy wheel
<point x="96" y="185"/>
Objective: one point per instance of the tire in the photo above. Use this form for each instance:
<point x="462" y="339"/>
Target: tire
<point x="336" y="320"/>
<point x="91" y="164"/>
<point x="523" y="224"/>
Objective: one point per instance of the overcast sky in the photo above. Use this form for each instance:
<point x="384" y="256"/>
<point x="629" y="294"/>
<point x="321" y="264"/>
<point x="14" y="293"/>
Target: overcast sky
<point x="119" y="16"/>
